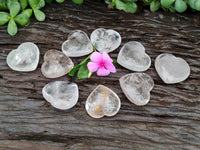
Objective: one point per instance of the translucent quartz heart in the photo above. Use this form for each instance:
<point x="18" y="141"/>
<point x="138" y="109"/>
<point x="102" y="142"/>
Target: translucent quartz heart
<point x="105" y="40"/>
<point x="102" y="102"/>
<point x="61" y="94"/>
<point x="78" y="44"/>
<point x="137" y="87"/>
<point x="24" y="58"/>
<point x="132" y="56"/>
<point x="171" y="69"/>
<point x="56" y="64"/>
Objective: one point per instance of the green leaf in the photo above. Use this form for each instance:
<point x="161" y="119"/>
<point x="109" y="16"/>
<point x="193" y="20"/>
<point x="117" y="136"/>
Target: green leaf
<point x="4" y="18"/>
<point x="12" y="27"/>
<point x="39" y="15"/>
<point x="147" y="1"/>
<point x="48" y="1"/>
<point x="180" y="6"/>
<point x="60" y="1"/>
<point x="129" y="6"/>
<point x="155" y="5"/>
<point x="36" y="4"/>
<point x="191" y="3"/>
<point x="22" y="19"/>
<point x="28" y="12"/>
<point x="73" y="71"/>
<point x="197" y="5"/>
<point x="167" y="3"/>
<point x="114" y="61"/>
<point x="77" y="1"/>
<point x="3" y="5"/>
<point x="14" y="9"/>
<point x="9" y="2"/>
<point x="83" y="72"/>
<point x="172" y="8"/>
<point x="23" y="3"/>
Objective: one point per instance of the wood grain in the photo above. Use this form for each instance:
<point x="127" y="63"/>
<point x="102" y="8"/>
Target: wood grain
<point x="171" y="120"/>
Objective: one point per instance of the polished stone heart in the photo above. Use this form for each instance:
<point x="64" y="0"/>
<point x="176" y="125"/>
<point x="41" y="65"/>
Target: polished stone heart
<point x="133" y="57"/>
<point x="61" y="94"/>
<point x="78" y="44"/>
<point x="102" y="102"/>
<point x="105" y="40"/>
<point x="137" y="87"/>
<point x="24" y="58"/>
<point x="171" y="69"/>
<point x="56" y="64"/>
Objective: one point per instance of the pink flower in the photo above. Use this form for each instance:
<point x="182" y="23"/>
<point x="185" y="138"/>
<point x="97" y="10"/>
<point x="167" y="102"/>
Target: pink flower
<point x="102" y="63"/>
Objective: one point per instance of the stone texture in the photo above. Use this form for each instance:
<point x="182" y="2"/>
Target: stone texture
<point x="78" y="44"/>
<point x="137" y="87"/>
<point x="56" y="64"/>
<point x="105" y="40"/>
<point x="102" y="102"/>
<point x="171" y="69"/>
<point x="25" y="58"/>
<point x="61" y="94"/>
<point x="133" y="57"/>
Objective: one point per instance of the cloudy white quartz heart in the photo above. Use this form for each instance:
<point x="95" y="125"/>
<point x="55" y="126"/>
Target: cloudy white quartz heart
<point x="25" y="58"/>
<point x="171" y="69"/>
<point x="105" y="40"/>
<point x="56" y="64"/>
<point x="78" y="44"/>
<point x="133" y="57"/>
<point x="61" y="94"/>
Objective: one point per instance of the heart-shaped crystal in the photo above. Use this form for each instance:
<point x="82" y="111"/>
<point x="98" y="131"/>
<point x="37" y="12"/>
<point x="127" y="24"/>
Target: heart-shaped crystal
<point x="56" y="64"/>
<point x="105" y="40"/>
<point x="78" y="44"/>
<point x="171" y="69"/>
<point x="61" y="94"/>
<point x="102" y="102"/>
<point x="132" y="56"/>
<point x="24" y="58"/>
<point x="137" y="87"/>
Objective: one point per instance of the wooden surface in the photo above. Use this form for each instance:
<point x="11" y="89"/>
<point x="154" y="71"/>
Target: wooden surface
<point x="171" y="120"/>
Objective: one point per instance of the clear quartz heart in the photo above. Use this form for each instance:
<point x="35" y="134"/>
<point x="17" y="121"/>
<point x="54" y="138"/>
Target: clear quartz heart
<point x="102" y="102"/>
<point x="56" y="64"/>
<point x="78" y="44"/>
<point x="133" y="57"/>
<point x="105" y="40"/>
<point x="24" y="58"/>
<point x="61" y="94"/>
<point x="171" y="69"/>
<point x="137" y="87"/>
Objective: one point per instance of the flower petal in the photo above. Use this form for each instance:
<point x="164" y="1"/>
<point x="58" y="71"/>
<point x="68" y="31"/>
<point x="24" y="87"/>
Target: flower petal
<point x="96" y="57"/>
<point x="110" y="67"/>
<point x="92" y="67"/>
<point x="103" y="72"/>
<point x="106" y="58"/>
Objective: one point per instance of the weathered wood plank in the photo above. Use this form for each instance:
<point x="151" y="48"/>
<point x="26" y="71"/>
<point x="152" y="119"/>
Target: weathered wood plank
<point x="171" y="119"/>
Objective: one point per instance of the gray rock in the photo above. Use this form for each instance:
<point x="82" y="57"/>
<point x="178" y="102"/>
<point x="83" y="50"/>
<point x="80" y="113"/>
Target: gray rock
<point x="56" y="64"/>
<point x="133" y="57"/>
<point x="137" y="87"/>
<point x="171" y="69"/>
<point x="102" y="102"/>
<point x="61" y="94"/>
<point x="105" y="40"/>
<point x="78" y="44"/>
<point x="25" y="58"/>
